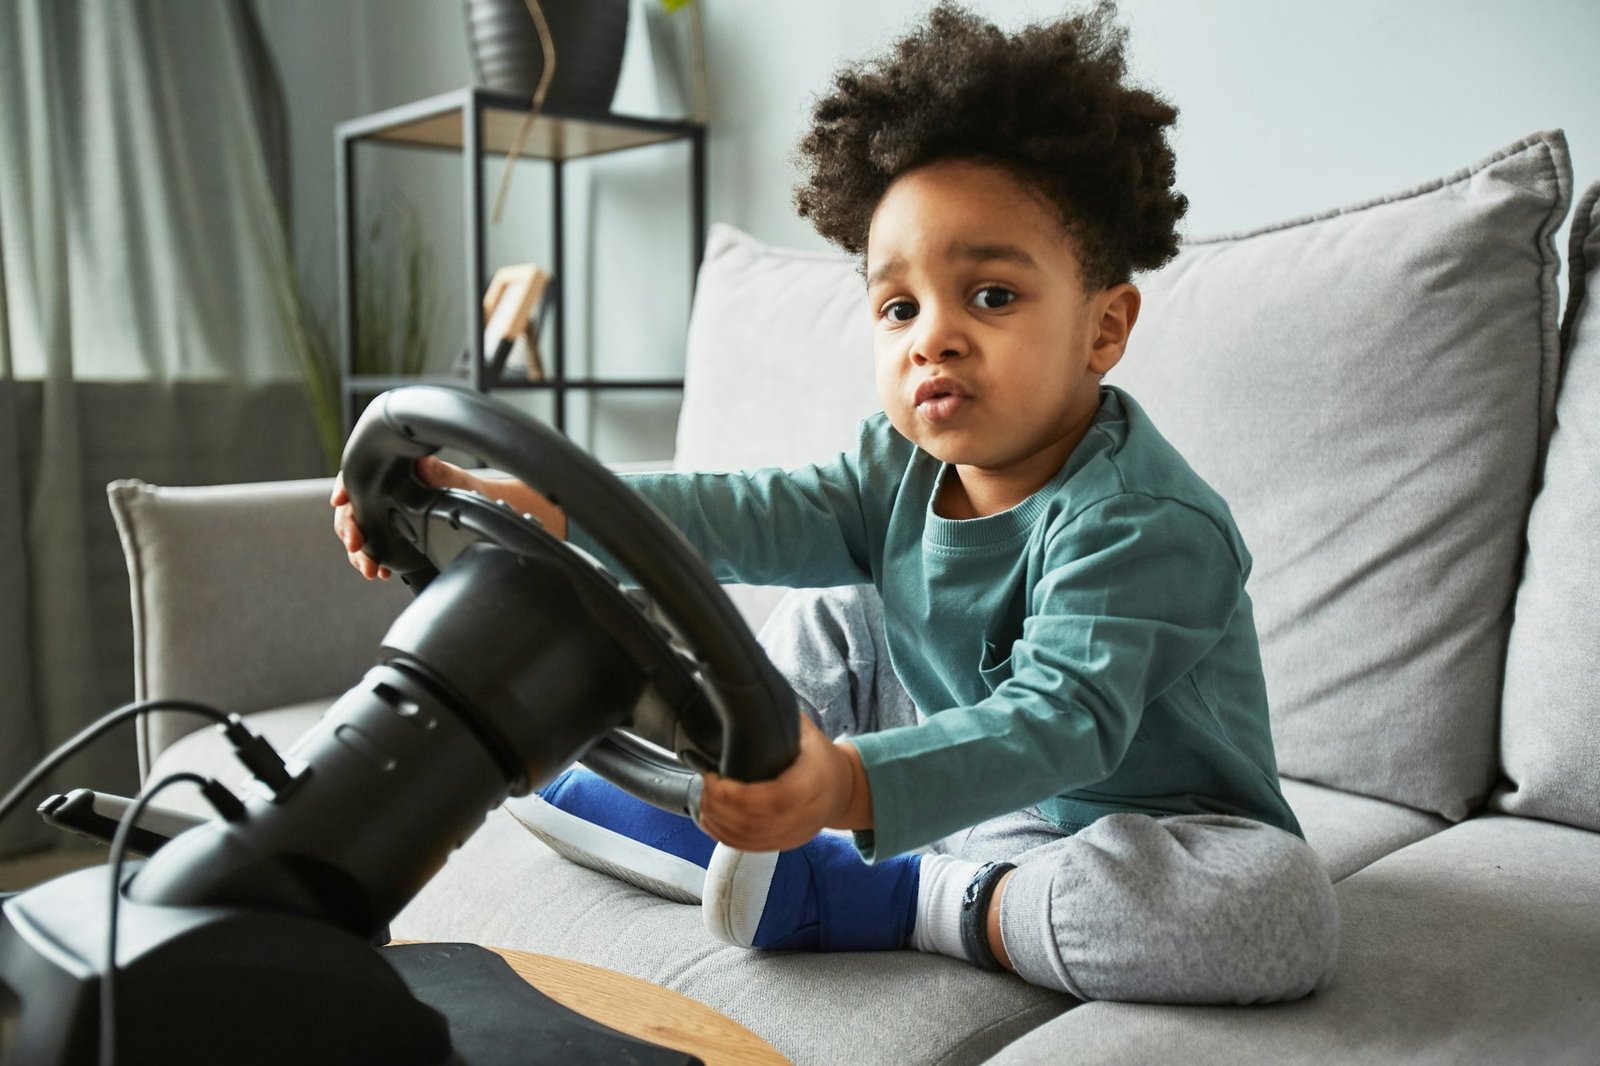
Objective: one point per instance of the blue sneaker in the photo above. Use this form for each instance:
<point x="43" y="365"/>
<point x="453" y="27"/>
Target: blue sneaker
<point x="817" y="897"/>
<point x="590" y="821"/>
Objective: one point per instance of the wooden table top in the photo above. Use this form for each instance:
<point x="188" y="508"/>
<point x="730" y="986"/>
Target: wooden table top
<point x="639" y="1008"/>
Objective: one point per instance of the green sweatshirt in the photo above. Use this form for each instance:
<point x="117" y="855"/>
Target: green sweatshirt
<point x="1090" y="651"/>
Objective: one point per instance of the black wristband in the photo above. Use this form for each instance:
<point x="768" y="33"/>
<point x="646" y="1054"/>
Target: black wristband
<point x="975" y="913"/>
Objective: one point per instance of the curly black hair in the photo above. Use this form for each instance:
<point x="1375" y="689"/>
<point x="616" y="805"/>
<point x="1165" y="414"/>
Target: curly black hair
<point x="1046" y="103"/>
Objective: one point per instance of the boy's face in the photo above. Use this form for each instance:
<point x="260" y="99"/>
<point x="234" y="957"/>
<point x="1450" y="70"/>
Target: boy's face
<point x="989" y="352"/>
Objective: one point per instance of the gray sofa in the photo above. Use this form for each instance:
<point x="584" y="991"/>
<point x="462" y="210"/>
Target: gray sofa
<point x="1408" y="431"/>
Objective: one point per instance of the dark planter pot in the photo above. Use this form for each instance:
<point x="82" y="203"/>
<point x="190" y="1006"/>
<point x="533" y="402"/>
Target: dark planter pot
<point x="588" y="35"/>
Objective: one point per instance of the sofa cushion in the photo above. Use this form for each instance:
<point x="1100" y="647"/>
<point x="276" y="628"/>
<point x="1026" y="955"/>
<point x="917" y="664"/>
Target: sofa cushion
<point x="242" y="599"/>
<point x="1368" y="388"/>
<point x="207" y="752"/>
<point x="778" y="369"/>
<point x="507" y="889"/>
<point x="1476" y="945"/>
<point x="779" y="363"/>
<point x="1349" y="832"/>
<point x="1550" y="715"/>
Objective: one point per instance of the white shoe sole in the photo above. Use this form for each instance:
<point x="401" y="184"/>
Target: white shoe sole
<point x="736" y="889"/>
<point x="609" y="852"/>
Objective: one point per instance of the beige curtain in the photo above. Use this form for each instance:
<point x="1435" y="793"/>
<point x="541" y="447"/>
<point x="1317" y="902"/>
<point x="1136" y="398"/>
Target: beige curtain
<point x="138" y="336"/>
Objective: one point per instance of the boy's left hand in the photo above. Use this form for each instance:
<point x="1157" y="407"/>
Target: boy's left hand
<point x="824" y="787"/>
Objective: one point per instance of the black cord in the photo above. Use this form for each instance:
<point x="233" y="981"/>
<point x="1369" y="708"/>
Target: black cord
<point x="257" y="755"/>
<point x="226" y="805"/>
<point x="90" y="732"/>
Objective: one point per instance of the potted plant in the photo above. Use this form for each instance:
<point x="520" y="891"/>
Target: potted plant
<point x="582" y="40"/>
<point x="511" y="39"/>
<point x="396" y="304"/>
<point x="567" y="51"/>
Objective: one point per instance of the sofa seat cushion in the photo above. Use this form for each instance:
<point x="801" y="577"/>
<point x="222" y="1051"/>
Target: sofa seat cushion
<point x="507" y="889"/>
<point x="206" y="751"/>
<point x="1350" y="832"/>
<point x="1476" y="945"/>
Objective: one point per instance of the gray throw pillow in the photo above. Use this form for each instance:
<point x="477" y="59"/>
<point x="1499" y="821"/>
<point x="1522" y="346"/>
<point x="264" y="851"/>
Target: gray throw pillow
<point x="1550" y="717"/>
<point x="242" y="599"/>
<point x="1370" y="389"/>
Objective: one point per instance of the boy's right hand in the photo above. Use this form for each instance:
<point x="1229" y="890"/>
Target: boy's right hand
<point x="431" y="471"/>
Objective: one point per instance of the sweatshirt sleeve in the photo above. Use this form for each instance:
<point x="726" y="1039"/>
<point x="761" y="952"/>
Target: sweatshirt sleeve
<point x="1134" y="591"/>
<point x="814" y="526"/>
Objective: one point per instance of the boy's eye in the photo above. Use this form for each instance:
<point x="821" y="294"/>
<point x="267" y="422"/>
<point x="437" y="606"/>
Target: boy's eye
<point x="992" y="298"/>
<point x="900" y="311"/>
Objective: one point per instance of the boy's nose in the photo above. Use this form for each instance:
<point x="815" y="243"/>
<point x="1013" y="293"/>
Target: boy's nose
<point x="933" y="355"/>
<point x="937" y="339"/>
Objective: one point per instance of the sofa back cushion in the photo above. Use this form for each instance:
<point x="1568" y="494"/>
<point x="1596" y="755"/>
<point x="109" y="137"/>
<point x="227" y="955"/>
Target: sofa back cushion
<point x="242" y="600"/>
<point x="1370" y="389"/>
<point x="1550" y="715"/>
<point x="778" y="369"/>
<point x="779" y="363"/>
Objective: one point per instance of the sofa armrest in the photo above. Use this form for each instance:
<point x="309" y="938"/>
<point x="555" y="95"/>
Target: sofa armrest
<point x="242" y="599"/>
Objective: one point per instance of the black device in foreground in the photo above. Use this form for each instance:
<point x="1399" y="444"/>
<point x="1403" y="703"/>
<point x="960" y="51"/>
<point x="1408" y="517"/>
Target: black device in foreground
<point x="247" y="939"/>
<point x="95" y="815"/>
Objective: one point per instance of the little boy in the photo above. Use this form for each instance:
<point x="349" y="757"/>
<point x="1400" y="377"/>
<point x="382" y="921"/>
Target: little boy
<point x="1051" y="743"/>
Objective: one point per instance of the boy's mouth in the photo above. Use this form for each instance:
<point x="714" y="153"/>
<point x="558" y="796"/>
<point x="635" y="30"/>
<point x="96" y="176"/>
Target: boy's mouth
<point x="939" y="398"/>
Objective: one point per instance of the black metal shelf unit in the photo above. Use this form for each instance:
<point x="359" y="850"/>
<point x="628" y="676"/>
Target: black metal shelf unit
<point x="477" y="122"/>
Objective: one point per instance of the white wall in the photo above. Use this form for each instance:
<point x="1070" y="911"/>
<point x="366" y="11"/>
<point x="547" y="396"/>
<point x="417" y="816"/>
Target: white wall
<point x="1286" y="107"/>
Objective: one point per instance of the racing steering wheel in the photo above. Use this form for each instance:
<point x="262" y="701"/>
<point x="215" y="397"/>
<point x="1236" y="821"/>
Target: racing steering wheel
<point x="712" y="700"/>
<point x="518" y="655"/>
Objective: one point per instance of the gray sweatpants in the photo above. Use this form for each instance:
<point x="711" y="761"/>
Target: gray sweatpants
<point x="1186" y="909"/>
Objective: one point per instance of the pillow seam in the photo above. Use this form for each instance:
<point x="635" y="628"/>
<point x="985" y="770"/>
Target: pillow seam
<point x="125" y="495"/>
<point x="738" y="239"/>
<point x="1578" y="268"/>
<point x="1545" y="139"/>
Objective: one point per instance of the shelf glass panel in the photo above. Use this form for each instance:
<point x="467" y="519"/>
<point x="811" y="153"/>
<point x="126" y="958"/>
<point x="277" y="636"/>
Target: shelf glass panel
<point x="630" y="425"/>
<point x="549" y="139"/>
<point x="539" y="406"/>
<point x="439" y="122"/>
<point x="510" y="383"/>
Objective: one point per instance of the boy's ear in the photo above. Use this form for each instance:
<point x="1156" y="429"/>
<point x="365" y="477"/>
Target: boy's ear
<point x="1118" y="311"/>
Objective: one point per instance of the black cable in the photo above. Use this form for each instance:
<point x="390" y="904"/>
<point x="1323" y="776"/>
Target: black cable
<point x="227" y="805"/>
<point x="258" y="755"/>
<point x="90" y="732"/>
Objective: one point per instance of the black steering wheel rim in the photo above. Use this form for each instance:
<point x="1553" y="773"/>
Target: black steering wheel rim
<point x="751" y="699"/>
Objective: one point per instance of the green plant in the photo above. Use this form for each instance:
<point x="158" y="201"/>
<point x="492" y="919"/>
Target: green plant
<point x="308" y="337"/>
<point x="395" y="295"/>
<point x="396" y="303"/>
